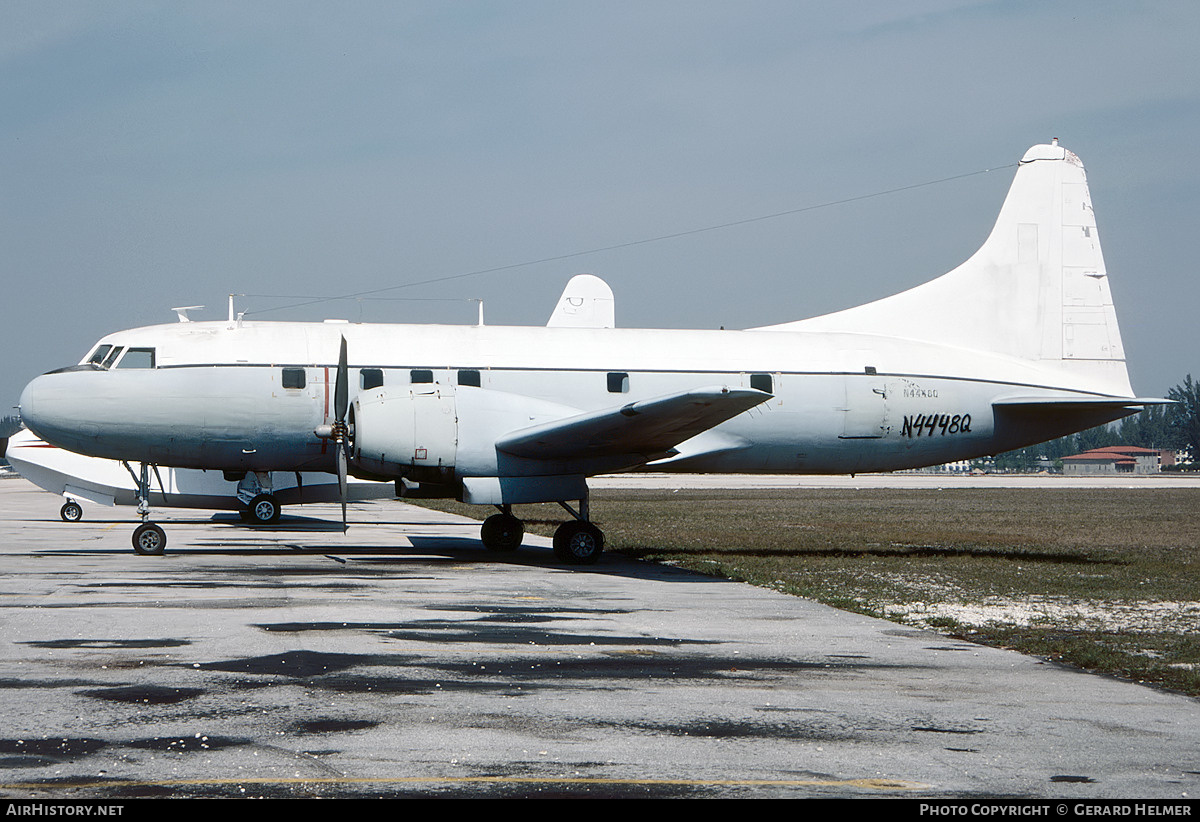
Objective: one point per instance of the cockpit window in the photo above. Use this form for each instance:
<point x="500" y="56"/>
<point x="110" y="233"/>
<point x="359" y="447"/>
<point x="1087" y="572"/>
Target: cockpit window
<point x="112" y="357"/>
<point x="99" y="354"/>
<point x="137" y="358"/>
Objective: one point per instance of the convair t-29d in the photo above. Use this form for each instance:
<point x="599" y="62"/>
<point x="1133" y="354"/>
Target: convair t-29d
<point x="1016" y="346"/>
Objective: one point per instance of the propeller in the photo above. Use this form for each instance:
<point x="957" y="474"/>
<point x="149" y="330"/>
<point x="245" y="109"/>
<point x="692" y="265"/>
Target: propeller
<point x="341" y="402"/>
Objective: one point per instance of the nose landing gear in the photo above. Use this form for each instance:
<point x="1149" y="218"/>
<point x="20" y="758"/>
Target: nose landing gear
<point x="148" y="538"/>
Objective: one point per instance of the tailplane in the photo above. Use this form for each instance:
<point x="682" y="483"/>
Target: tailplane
<point x="1037" y="289"/>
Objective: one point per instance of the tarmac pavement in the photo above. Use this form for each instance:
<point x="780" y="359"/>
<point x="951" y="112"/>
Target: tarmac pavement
<point x="403" y="659"/>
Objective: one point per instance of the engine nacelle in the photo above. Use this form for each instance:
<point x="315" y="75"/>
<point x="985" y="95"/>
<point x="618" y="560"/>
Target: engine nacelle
<point x="439" y="433"/>
<point x="405" y="432"/>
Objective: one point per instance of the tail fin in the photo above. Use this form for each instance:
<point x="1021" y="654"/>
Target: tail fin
<point x="586" y="302"/>
<point x="1037" y="289"/>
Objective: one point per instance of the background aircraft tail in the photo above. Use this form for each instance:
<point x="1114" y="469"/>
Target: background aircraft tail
<point x="586" y="302"/>
<point x="1037" y="289"/>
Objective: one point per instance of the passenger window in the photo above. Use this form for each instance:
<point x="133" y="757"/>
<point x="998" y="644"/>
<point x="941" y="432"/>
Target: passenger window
<point x="98" y="356"/>
<point x="421" y="375"/>
<point x="293" y="378"/>
<point x="112" y="357"/>
<point x="762" y="382"/>
<point x="137" y="358"/>
<point x="371" y="378"/>
<point x="618" y="382"/>
<point x="469" y="377"/>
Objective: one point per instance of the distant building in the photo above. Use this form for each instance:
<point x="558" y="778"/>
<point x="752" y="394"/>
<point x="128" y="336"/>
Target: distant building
<point x="1117" y="459"/>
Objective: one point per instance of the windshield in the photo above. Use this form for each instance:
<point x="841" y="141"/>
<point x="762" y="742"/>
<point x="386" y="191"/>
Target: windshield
<point x="118" y="356"/>
<point x="137" y="358"/>
<point x="99" y="354"/>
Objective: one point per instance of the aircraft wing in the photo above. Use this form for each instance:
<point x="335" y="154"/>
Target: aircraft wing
<point x="650" y="427"/>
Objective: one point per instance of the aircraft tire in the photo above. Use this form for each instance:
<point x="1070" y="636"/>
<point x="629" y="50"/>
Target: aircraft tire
<point x="502" y="532"/>
<point x="578" y="543"/>
<point x="149" y="539"/>
<point x="71" y="511"/>
<point x="263" y="510"/>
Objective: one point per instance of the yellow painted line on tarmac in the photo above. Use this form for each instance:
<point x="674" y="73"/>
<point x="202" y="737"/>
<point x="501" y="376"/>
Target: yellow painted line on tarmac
<point x="869" y="784"/>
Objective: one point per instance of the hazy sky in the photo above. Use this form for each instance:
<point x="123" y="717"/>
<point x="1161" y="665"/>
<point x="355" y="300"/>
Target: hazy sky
<point x="171" y="153"/>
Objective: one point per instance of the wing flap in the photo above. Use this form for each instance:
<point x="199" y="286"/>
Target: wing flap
<point x="650" y="428"/>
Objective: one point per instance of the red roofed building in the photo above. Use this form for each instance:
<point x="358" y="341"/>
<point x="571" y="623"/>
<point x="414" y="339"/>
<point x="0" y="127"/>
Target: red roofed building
<point x="1117" y="459"/>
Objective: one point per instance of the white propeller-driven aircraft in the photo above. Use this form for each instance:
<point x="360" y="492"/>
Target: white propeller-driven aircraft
<point x="1016" y="346"/>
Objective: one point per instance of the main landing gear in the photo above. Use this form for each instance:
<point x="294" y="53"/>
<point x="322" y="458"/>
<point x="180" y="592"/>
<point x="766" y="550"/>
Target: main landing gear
<point x="148" y="538"/>
<point x="71" y="511"/>
<point x="576" y="542"/>
<point x="503" y="531"/>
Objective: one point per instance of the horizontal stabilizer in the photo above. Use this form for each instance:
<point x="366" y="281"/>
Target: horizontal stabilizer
<point x="1075" y="401"/>
<point x="649" y="427"/>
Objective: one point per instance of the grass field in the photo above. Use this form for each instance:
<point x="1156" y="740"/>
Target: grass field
<point x="1103" y="579"/>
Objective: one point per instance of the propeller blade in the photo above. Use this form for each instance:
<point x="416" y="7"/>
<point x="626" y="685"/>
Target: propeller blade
<point x="341" y="389"/>
<point x="341" y="469"/>
<point x="341" y="403"/>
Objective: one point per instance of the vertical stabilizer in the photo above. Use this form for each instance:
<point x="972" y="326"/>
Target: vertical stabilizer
<point x="586" y="302"/>
<point x="1037" y="289"/>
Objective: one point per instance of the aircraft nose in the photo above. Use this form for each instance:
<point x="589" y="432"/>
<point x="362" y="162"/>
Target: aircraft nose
<point x="56" y="408"/>
<point x="30" y="405"/>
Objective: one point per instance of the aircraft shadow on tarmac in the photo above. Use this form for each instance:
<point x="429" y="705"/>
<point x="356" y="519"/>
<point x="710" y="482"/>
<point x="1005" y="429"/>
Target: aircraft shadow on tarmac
<point x="359" y="548"/>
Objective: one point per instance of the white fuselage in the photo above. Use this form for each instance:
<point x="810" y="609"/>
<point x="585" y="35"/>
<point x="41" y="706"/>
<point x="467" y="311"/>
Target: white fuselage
<point x="217" y="395"/>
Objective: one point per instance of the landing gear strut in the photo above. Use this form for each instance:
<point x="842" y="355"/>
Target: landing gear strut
<point x="578" y="541"/>
<point x="148" y="538"/>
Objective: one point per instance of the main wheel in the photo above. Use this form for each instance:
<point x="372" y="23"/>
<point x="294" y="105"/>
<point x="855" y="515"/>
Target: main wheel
<point x="71" y="511"/>
<point x="502" y="532"/>
<point x="263" y="509"/>
<point x="149" y="539"/>
<point x="579" y="543"/>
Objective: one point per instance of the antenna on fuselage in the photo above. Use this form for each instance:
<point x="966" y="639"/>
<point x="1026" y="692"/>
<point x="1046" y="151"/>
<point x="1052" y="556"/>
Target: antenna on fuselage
<point x="235" y="320"/>
<point x="182" y="312"/>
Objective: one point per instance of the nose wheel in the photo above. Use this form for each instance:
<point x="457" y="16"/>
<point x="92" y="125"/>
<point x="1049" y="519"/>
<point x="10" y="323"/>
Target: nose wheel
<point x="149" y="539"/>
